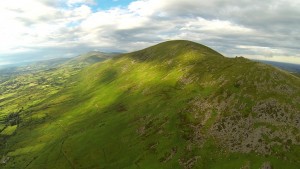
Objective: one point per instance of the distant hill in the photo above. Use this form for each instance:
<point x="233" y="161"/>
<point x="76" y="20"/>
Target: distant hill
<point x="91" y="57"/>
<point x="43" y="63"/>
<point x="293" y="68"/>
<point x="79" y="61"/>
<point x="177" y="104"/>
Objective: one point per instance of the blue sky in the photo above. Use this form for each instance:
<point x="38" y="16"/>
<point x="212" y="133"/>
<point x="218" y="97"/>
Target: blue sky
<point x="44" y="29"/>
<point x="107" y="4"/>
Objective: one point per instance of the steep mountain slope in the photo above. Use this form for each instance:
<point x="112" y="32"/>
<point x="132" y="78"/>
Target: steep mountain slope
<point x="178" y="104"/>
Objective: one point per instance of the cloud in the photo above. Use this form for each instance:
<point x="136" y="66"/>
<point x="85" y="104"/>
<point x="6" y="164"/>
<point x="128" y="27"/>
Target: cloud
<point x="265" y="29"/>
<point x="216" y="27"/>
<point x="76" y="2"/>
<point x="4" y="63"/>
<point x="265" y="51"/>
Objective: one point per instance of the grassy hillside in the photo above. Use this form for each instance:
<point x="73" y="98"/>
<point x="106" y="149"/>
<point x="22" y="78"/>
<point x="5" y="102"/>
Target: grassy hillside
<point x="22" y="88"/>
<point x="174" y="105"/>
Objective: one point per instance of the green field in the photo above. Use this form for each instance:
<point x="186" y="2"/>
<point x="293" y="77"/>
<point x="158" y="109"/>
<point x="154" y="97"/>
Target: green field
<point x="178" y="104"/>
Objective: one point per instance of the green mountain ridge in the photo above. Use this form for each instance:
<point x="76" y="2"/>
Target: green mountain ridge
<point x="177" y="104"/>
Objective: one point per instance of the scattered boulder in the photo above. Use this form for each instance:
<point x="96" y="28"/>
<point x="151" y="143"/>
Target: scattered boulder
<point x="266" y="165"/>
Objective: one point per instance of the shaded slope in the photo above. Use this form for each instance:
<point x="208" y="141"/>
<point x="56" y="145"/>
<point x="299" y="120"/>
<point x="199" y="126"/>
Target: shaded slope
<point x="175" y="105"/>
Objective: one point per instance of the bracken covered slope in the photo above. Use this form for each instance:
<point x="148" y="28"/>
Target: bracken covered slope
<point x="178" y="104"/>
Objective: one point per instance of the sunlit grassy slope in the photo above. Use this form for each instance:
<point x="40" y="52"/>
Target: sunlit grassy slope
<point x="174" y="105"/>
<point x="26" y="86"/>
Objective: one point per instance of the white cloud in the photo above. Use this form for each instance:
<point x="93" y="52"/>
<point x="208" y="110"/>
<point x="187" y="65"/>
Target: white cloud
<point x="268" y="53"/>
<point x="253" y="28"/>
<point x="31" y="24"/>
<point x="75" y="2"/>
<point x="265" y="51"/>
<point x="277" y="58"/>
<point x="216" y="27"/>
<point x="4" y="63"/>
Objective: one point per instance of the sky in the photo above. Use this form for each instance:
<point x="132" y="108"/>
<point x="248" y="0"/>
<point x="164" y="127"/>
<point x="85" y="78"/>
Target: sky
<point x="44" y="29"/>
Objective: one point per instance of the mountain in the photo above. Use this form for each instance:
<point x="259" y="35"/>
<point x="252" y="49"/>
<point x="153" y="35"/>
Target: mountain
<point x="177" y="104"/>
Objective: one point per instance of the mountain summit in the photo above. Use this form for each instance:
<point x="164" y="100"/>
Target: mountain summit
<point x="172" y="49"/>
<point x="177" y="104"/>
